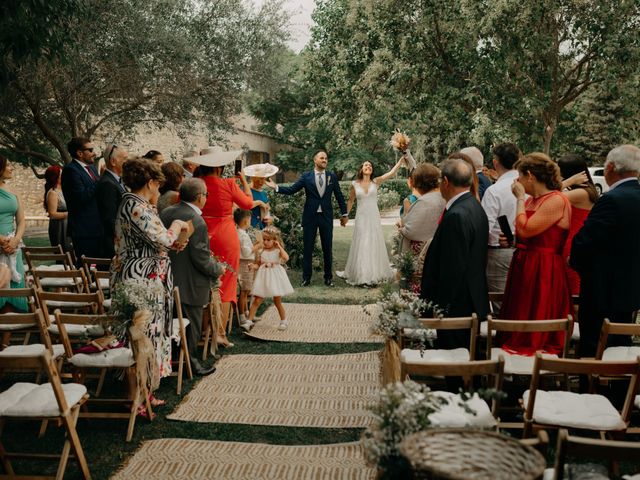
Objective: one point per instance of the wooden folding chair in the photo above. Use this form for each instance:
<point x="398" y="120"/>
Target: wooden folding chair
<point x="30" y="401"/>
<point x="617" y="353"/>
<point x="573" y="410"/>
<point x="61" y="280"/>
<point x="444" y="355"/>
<point x="453" y="415"/>
<point x="34" y="321"/>
<point x="90" y="264"/>
<point x="523" y="364"/>
<point x="7" y="331"/>
<point x="593" y="449"/>
<point x="180" y="335"/>
<point x="112" y="359"/>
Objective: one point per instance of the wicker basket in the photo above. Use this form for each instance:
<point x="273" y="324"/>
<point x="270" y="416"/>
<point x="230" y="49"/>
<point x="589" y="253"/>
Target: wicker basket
<point x="454" y="454"/>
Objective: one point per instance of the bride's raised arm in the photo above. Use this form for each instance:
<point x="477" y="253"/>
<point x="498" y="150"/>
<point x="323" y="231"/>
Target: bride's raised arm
<point x="390" y="173"/>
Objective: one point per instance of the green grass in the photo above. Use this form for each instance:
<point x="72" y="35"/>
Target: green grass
<point x="103" y="440"/>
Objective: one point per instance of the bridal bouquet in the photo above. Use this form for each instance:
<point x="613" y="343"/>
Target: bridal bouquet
<point x="400" y="141"/>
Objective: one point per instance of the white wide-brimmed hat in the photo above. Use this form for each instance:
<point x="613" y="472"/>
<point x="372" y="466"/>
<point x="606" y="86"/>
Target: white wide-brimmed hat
<point x="214" y="157"/>
<point x="264" y="170"/>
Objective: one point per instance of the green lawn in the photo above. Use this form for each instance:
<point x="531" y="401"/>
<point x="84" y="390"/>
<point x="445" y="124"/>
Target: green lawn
<point x="103" y="441"/>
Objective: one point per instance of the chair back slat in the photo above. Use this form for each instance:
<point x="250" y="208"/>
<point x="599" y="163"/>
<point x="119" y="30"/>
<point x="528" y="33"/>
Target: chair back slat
<point x="530" y="326"/>
<point x="77" y="278"/>
<point x="43" y="250"/>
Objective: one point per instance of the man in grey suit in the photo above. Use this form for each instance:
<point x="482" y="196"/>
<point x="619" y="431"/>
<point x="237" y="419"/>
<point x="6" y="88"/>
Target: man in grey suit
<point x="194" y="269"/>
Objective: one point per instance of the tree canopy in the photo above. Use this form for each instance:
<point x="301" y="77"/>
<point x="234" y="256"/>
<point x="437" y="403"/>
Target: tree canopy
<point x="459" y="72"/>
<point x="129" y="62"/>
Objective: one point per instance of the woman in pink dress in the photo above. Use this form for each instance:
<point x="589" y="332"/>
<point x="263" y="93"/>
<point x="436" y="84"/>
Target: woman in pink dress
<point x="537" y="286"/>
<point x="223" y="193"/>
<point x="579" y="188"/>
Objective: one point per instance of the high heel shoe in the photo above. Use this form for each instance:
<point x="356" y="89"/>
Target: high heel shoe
<point x="224" y="342"/>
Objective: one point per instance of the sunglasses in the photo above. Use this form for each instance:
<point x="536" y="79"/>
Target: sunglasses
<point x="113" y="148"/>
<point x="88" y="149"/>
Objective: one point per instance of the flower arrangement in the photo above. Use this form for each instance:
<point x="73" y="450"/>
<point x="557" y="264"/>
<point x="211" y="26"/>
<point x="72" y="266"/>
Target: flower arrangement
<point x="402" y="409"/>
<point x="131" y="296"/>
<point x="400" y="141"/>
<point x="397" y="310"/>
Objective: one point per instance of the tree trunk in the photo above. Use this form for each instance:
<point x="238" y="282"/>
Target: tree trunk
<point x="550" y="124"/>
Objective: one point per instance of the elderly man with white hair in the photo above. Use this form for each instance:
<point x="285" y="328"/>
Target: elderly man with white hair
<point x="606" y="252"/>
<point x="477" y="158"/>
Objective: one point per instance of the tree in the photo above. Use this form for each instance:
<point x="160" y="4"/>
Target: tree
<point x="540" y="57"/>
<point x="157" y="62"/>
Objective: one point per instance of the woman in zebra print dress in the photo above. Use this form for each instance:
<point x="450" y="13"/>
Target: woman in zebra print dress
<point x="141" y="244"/>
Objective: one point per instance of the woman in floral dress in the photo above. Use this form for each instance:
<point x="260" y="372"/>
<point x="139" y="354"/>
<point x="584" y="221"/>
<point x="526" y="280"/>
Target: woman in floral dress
<point x="141" y="245"/>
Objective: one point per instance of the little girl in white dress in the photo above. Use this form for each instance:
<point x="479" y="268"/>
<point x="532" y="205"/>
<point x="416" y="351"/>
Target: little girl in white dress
<point x="271" y="278"/>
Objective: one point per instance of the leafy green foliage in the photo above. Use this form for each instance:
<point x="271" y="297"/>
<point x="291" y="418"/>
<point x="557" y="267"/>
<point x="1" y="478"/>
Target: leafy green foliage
<point x="133" y="63"/>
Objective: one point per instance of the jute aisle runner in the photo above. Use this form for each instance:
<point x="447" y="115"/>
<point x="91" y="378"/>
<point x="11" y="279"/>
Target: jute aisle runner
<point x="318" y="323"/>
<point x="328" y="391"/>
<point x="170" y="459"/>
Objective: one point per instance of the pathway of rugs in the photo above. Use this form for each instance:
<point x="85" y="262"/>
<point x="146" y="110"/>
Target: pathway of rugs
<point x="317" y="391"/>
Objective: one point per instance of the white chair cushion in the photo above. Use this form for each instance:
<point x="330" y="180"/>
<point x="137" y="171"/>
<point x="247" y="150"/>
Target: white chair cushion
<point x="53" y="304"/>
<point x="106" y="303"/>
<point x="517" y="364"/>
<point x="32" y="350"/>
<point x="53" y="282"/>
<point x="637" y="402"/>
<point x="574" y="410"/>
<point x="74" y="330"/>
<point x="616" y="354"/>
<point x="484" y="330"/>
<point x="56" y="267"/>
<point x="32" y="400"/>
<point x="115" y="358"/>
<point x="175" y="335"/>
<point x="434" y="356"/>
<point x="453" y="415"/>
<point x="104" y="284"/>
<point x="11" y="327"/>
<point x="575" y="335"/>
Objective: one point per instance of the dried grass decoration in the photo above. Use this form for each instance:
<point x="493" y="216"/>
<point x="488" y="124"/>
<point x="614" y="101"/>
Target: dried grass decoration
<point x="147" y="367"/>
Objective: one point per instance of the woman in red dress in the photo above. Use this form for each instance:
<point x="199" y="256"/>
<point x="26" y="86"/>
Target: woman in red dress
<point x="537" y="286"/>
<point x="579" y="188"/>
<point x="223" y="193"/>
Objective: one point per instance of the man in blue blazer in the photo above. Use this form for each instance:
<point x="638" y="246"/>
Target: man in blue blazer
<point x="606" y="252"/>
<point x="79" y="180"/>
<point x="317" y="214"/>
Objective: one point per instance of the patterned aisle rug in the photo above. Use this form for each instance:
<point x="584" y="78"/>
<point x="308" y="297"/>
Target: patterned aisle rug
<point x="326" y="391"/>
<point x="170" y="458"/>
<point x="316" y="323"/>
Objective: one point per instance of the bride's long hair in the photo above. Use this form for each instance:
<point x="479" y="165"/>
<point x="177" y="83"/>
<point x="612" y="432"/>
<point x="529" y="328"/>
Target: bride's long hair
<point x="360" y="174"/>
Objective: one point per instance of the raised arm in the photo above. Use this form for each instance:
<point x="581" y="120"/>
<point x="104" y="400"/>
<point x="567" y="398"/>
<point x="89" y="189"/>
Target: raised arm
<point x="390" y="173"/>
<point x="548" y="214"/>
<point x="290" y="190"/>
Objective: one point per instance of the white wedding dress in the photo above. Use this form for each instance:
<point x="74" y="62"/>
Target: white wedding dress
<point x="368" y="261"/>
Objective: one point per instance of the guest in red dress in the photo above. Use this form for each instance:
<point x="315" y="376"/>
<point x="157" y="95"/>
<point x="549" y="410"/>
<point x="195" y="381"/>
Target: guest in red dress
<point x="537" y="286"/>
<point x="223" y="193"/>
<point x="579" y="188"/>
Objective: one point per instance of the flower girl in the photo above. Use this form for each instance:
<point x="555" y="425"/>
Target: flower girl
<point x="271" y="279"/>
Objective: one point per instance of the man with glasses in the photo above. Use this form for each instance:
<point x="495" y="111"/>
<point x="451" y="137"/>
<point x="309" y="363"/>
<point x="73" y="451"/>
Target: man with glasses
<point x="109" y="192"/>
<point x="195" y="271"/>
<point x="79" y="181"/>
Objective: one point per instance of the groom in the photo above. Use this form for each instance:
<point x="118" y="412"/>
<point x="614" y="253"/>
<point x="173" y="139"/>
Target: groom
<point x="318" y="212"/>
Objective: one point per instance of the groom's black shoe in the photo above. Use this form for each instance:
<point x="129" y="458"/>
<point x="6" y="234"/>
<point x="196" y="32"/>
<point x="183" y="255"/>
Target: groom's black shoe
<point x="305" y="283"/>
<point x="328" y="282"/>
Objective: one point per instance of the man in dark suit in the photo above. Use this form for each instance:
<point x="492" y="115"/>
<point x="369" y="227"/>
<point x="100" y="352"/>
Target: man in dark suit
<point x="195" y="271"/>
<point x="318" y="213"/>
<point x="79" y="180"/>
<point x="454" y="274"/>
<point x="606" y="252"/>
<point x="109" y="192"/>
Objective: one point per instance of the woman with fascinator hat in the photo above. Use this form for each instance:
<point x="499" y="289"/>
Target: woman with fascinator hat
<point x="217" y="212"/>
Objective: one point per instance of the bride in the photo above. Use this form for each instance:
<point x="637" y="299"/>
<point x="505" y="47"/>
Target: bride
<point x="368" y="261"/>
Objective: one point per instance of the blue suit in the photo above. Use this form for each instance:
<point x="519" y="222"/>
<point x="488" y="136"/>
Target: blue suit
<point x="84" y="221"/>
<point x="312" y="220"/>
